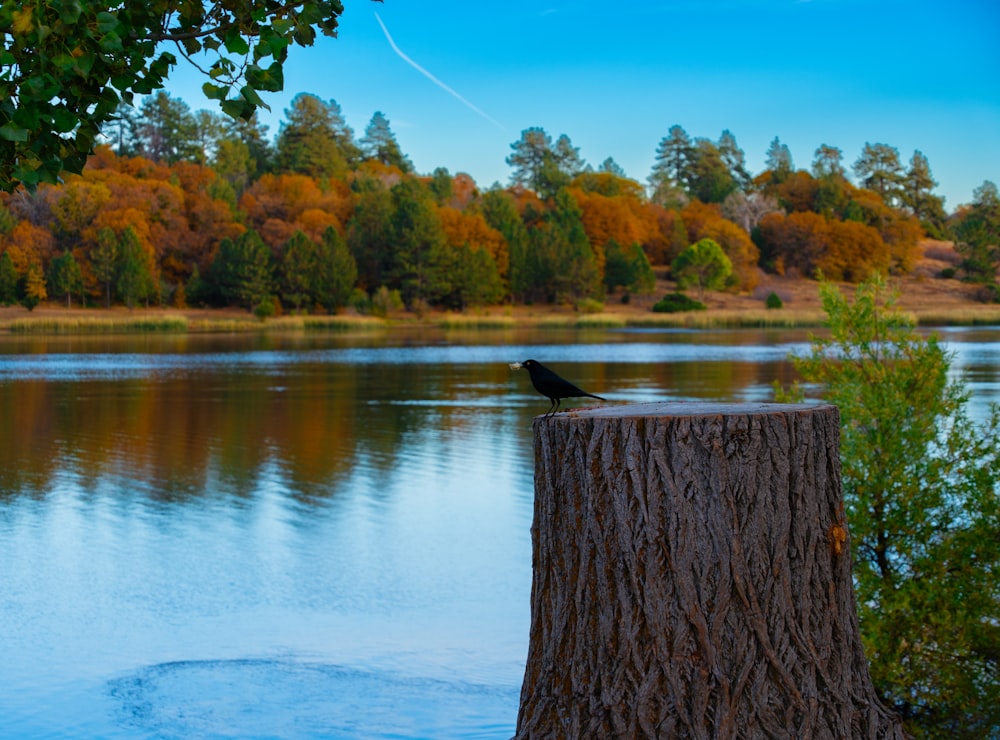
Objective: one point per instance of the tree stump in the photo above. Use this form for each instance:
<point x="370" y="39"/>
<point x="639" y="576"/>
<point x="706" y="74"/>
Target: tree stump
<point x="692" y="578"/>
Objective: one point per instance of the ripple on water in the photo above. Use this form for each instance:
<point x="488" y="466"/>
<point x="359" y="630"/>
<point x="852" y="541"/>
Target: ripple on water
<point x="252" y="698"/>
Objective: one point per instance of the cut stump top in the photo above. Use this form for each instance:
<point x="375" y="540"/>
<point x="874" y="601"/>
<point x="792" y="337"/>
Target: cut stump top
<point x="669" y="409"/>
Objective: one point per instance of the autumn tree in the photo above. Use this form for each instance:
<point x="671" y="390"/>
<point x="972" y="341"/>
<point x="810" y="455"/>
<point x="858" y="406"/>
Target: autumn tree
<point x="703" y="265"/>
<point x="34" y="287"/>
<point x="922" y="491"/>
<point x="379" y="144"/>
<point x="70" y="65"/>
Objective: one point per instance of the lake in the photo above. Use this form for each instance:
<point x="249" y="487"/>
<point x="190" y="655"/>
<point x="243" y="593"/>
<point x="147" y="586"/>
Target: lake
<point x="304" y="535"/>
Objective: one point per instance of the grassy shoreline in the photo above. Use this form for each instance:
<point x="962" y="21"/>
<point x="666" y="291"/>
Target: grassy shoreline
<point x="105" y="321"/>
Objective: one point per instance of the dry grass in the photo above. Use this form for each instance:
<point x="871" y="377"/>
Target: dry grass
<point x="924" y="294"/>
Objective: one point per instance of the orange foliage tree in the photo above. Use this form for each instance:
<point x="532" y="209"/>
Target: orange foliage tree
<point x="279" y="205"/>
<point x="619" y="218"/>
<point x="462" y="228"/>
<point x="705" y="221"/>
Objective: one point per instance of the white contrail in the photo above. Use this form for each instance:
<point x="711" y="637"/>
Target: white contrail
<point x="434" y="79"/>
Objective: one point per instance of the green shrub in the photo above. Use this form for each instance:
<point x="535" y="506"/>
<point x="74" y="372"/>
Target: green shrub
<point x="589" y="305"/>
<point x="773" y="300"/>
<point x="675" y="302"/>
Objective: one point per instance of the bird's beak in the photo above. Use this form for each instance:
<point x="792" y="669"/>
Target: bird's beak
<point x="516" y="366"/>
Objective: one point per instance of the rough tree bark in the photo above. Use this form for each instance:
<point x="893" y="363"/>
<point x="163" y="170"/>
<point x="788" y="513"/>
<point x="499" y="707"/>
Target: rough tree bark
<point x="692" y="578"/>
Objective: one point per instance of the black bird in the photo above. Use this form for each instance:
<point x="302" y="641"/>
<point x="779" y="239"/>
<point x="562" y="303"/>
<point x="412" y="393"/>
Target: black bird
<point x="551" y="385"/>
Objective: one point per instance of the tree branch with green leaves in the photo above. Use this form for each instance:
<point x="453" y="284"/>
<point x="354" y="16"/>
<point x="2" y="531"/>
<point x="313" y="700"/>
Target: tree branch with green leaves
<point x="67" y="65"/>
<point x="922" y="493"/>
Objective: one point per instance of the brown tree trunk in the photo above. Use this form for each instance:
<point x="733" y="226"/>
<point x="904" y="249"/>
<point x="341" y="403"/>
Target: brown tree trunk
<point x="692" y="578"/>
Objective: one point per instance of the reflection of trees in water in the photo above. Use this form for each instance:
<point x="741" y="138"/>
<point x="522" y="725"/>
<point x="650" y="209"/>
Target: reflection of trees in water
<point x="205" y="433"/>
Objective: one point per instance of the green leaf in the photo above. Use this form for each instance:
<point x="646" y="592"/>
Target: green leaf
<point x="10" y="132"/>
<point x="251" y="96"/>
<point x="107" y="22"/>
<point x="70" y="11"/>
<point x="235" y="43"/>
<point x="236" y="108"/>
<point x="64" y="120"/>
<point x="215" y="92"/>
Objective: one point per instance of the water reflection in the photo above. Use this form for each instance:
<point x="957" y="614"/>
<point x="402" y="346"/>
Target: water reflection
<point x="245" y="516"/>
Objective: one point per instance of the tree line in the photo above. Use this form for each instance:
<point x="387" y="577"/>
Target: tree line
<point x="185" y="208"/>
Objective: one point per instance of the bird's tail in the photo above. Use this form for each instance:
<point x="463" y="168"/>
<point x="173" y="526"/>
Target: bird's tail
<point x="591" y="395"/>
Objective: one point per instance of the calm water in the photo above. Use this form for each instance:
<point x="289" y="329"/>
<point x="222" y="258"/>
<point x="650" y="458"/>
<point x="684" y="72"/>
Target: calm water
<point x="302" y="536"/>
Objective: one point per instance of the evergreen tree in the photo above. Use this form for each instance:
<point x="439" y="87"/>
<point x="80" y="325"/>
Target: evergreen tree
<point x="298" y="269"/>
<point x="441" y="186"/>
<point x="571" y="273"/>
<point x="878" y="168"/>
<point x="708" y="177"/>
<point x="134" y="279"/>
<point x="336" y="272"/>
<point x="65" y="277"/>
<point x="8" y="280"/>
<point x="104" y="261"/>
<point x="977" y="235"/>
<point x="828" y="162"/>
<point x="611" y="167"/>
<point x="315" y="140"/>
<point x="916" y="194"/>
<point x="419" y="242"/>
<point x="673" y="157"/>
<point x="379" y="144"/>
<point x="778" y="161"/>
<point x="541" y="165"/>
<point x="500" y="212"/>
<point x="166" y="131"/>
<point x="369" y="234"/>
<point x="242" y="270"/>
<point x="734" y="159"/>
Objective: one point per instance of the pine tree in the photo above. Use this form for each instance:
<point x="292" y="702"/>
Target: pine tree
<point x="8" y="280"/>
<point x="379" y="144"/>
<point x="336" y="273"/>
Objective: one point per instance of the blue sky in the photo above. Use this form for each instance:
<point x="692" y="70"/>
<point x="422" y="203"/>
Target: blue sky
<point x="614" y="77"/>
